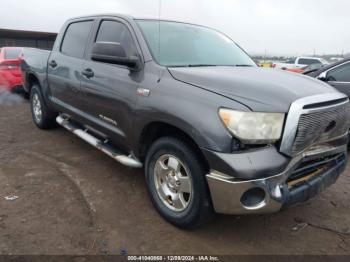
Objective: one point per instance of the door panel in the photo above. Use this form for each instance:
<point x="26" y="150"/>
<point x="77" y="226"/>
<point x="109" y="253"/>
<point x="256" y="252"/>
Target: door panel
<point x="65" y="66"/>
<point x="109" y="98"/>
<point x="342" y="87"/>
<point x="64" y="80"/>
<point x="339" y="77"/>
<point x="110" y="94"/>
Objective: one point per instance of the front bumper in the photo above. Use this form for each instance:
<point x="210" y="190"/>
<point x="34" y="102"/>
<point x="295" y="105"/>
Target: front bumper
<point x="319" y="168"/>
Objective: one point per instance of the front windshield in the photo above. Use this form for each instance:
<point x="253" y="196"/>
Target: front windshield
<point x="176" y="44"/>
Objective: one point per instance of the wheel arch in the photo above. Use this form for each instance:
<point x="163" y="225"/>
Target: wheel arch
<point x="31" y="80"/>
<point x="156" y="130"/>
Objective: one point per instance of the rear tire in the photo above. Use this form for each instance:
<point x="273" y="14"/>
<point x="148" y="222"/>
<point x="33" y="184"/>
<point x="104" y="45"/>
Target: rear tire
<point x="176" y="183"/>
<point x="43" y="117"/>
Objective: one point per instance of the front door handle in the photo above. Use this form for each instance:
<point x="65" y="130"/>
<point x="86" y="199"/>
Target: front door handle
<point x="53" y="63"/>
<point x="88" y="73"/>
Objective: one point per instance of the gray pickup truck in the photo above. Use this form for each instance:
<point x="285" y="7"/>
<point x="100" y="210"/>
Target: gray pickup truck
<point x="212" y="131"/>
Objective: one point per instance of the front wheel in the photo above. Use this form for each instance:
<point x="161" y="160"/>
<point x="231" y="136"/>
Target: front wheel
<point x="176" y="183"/>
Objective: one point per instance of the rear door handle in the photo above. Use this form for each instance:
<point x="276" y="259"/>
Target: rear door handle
<point x="53" y="63"/>
<point x="88" y="73"/>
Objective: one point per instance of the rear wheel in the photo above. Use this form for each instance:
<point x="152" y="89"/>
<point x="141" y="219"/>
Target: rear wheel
<point x="43" y="117"/>
<point x="176" y="183"/>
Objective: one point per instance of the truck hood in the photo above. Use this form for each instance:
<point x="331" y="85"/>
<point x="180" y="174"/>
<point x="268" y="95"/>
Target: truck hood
<point x="262" y="90"/>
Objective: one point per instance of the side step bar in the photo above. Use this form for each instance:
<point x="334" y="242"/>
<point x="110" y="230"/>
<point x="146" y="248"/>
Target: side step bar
<point x="105" y="148"/>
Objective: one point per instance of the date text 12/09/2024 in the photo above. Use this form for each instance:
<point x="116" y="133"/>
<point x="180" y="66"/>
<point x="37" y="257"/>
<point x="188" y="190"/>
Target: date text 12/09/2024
<point x="173" y="258"/>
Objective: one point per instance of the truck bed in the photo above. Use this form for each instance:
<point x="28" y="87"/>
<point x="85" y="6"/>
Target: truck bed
<point x="34" y="60"/>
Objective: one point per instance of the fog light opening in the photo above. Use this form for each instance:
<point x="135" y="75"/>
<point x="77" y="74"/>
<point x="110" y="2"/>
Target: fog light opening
<point x="254" y="198"/>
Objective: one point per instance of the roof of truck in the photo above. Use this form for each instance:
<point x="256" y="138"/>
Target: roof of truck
<point x="129" y="17"/>
<point x="104" y="14"/>
<point x="125" y="16"/>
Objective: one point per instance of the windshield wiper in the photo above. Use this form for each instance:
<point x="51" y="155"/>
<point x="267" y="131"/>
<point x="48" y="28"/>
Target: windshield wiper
<point x="208" y="65"/>
<point x="244" y="65"/>
<point x="200" y="65"/>
<point x="193" y="65"/>
<point x="204" y="65"/>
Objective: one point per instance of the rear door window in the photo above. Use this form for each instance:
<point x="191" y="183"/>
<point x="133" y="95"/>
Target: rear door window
<point x="75" y="39"/>
<point x="12" y="53"/>
<point x="116" y="32"/>
<point x="340" y="74"/>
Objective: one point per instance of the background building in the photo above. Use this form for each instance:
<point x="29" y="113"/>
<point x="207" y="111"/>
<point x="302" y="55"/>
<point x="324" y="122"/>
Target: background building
<point x="43" y="40"/>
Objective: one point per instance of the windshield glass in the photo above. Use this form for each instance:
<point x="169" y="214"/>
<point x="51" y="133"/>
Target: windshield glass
<point x="178" y="44"/>
<point x="12" y="53"/>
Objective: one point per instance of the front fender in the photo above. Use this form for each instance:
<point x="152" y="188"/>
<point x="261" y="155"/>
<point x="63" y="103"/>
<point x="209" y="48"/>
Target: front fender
<point x="188" y="108"/>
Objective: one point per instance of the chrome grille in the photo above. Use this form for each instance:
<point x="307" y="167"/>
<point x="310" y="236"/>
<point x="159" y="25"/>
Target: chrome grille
<point x="321" y="126"/>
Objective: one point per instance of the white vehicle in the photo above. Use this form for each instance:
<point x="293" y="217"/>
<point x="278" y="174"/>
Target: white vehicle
<point x="300" y="62"/>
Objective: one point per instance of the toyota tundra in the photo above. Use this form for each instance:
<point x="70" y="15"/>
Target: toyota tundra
<point x="212" y="131"/>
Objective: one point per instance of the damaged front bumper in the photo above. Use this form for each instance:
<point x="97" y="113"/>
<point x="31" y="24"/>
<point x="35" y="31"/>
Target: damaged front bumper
<point x="305" y="176"/>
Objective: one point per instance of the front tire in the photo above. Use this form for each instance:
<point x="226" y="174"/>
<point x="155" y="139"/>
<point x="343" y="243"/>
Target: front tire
<point x="43" y="117"/>
<point x="176" y="183"/>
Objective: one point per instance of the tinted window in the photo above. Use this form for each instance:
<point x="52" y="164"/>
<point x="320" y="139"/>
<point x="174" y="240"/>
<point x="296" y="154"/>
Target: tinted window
<point x="111" y="31"/>
<point x="304" y="61"/>
<point x="12" y="53"/>
<point x="76" y="38"/>
<point x="179" y="44"/>
<point x="340" y="74"/>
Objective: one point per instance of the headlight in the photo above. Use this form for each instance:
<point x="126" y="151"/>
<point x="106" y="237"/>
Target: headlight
<point x="253" y="128"/>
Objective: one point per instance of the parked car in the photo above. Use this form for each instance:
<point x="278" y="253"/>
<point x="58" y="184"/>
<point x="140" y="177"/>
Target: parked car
<point x="337" y="75"/>
<point x="265" y="64"/>
<point x="295" y="70"/>
<point x="307" y="69"/>
<point x="10" y="73"/>
<point x="313" y="68"/>
<point x="212" y="130"/>
<point x="300" y="62"/>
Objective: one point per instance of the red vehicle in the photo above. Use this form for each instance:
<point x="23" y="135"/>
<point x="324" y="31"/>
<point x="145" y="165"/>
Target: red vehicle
<point x="295" y="70"/>
<point x="10" y="72"/>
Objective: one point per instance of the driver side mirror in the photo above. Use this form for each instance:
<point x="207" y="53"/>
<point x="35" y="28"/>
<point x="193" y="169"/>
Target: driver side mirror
<point x="114" y="53"/>
<point x="322" y="76"/>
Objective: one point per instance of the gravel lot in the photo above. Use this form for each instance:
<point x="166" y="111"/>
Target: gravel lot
<point x="73" y="199"/>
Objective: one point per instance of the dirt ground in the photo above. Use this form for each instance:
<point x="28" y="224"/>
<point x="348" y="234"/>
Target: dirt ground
<point x="73" y="199"/>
